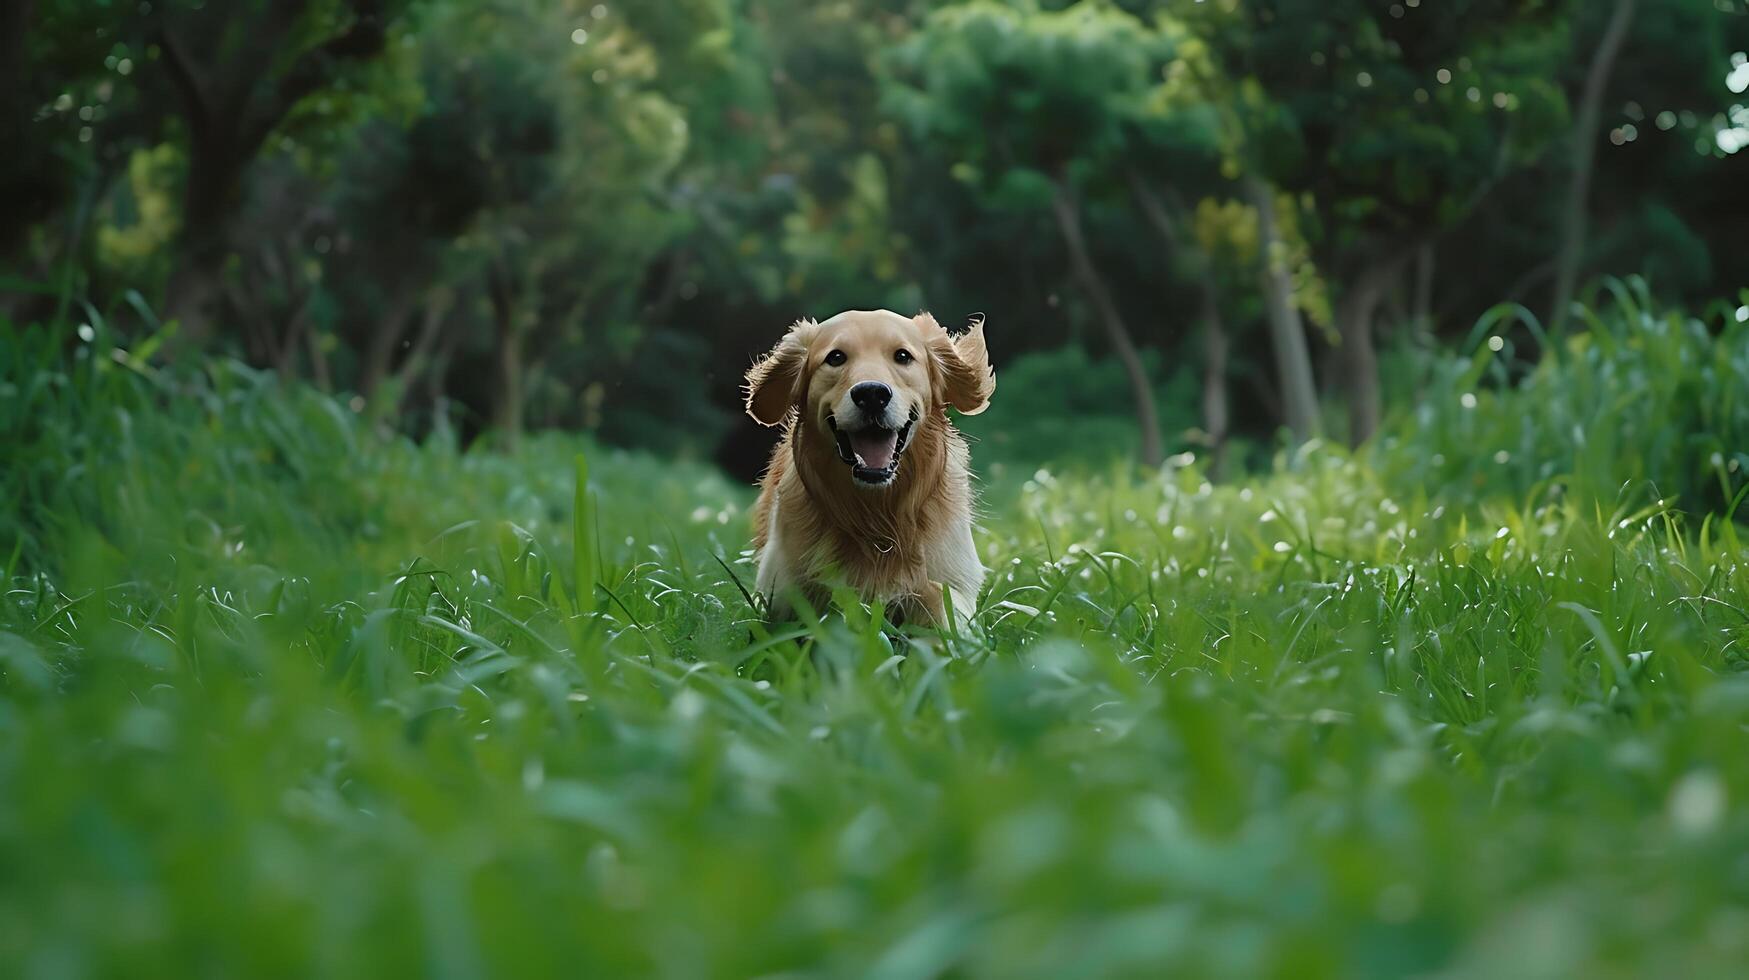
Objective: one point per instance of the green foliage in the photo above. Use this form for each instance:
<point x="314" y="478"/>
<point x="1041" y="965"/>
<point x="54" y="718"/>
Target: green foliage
<point x="1645" y="404"/>
<point x="1225" y="230"/>
<point x="1064" y="409"/>
<point x="1393" y="116"/>
<point x="284" y="694"/>
<point x="1008" y="87"/>
<point x="847" y="253"/>
<point x="617" y="184"/>
<point x="134" y="242"/>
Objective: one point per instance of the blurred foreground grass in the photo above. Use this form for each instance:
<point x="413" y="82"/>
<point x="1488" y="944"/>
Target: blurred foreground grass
<point x="281" y="695"/>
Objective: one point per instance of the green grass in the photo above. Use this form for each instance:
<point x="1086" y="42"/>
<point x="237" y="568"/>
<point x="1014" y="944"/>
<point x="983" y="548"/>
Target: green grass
<point x="285" y="695"/>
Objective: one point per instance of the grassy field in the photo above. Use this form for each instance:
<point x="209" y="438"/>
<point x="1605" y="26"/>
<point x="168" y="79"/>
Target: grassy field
<point x="282" y="694"/>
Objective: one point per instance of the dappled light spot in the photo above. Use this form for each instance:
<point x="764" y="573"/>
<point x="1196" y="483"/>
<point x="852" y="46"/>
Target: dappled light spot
<point x="1738" y="78"/>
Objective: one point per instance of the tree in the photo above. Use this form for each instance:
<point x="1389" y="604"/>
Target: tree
<point x="236" y="84"/>
<point x="1293" y="361"/>
<point x="1394" y="122"/>
<point x="26" y="187"/>
<point x="539" y="212"/>
<point x="70" y="119"/>
<point x="1032" y="102"/>
<point x="1184" y="257"/>
<point x="1204" y="127"/>
<point x="1650" y="184"/>
<point x="1176" y="144"/>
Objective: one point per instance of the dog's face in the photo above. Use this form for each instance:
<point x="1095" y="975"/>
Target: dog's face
<point x="865" y="380"/>
<point x="868" y="384"/>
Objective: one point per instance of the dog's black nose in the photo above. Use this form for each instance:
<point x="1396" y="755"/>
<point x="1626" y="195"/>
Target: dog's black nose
<point x="871" y="396"/>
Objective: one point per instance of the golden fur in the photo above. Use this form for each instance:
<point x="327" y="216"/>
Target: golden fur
<point x="901" y="543"/>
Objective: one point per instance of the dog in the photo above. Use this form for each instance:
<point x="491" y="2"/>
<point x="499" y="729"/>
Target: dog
<point x="870" y="486"/>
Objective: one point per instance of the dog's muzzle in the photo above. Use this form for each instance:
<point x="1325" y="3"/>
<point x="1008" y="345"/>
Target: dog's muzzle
<point x="871" y="449"/>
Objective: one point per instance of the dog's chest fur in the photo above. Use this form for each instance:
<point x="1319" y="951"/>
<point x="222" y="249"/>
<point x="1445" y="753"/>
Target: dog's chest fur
<point x="900" y="545"/>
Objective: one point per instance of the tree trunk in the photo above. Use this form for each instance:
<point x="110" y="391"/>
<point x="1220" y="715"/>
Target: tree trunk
<point x="296" y="326"/>
<point x="230" y="107"/>
<point x="1423" y="301"/>
<point x="1216" y="415"/>
<point x="437" y="377"/>
<point x="1574" y="213"/>
<point x="508" y="418"/>
<point x="319" y="370"/>
<point x="1360" y="362"/>
<point x="1166" y="215"/>
<point x="423" y="355"/>
<point x="507" y="409"/>
<point x="1081" y="260"/>
<point x="1293" y="362"/>
<point x="379" y="353"/>
<point x="196" y="282"/>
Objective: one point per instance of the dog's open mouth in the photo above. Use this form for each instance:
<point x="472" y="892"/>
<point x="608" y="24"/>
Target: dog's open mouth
<point x="873" y="451"/>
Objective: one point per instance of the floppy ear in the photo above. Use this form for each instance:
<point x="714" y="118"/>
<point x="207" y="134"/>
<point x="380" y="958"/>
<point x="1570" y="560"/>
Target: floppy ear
<point x="967" y="380"/>
<point x="774" y="384"/>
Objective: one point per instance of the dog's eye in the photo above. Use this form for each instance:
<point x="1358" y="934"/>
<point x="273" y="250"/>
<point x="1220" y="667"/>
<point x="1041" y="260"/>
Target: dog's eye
<point x="903" y="356"/>
<point x="836" y="358"/>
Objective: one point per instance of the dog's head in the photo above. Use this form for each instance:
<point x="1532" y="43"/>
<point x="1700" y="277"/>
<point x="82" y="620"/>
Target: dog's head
<point x="865" y="380"/>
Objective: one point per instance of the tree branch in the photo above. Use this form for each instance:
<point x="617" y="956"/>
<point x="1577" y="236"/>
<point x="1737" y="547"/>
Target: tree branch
<point x="313" y="69"/>
<point x="1155" y="211"/>
<point x="187" y="81"/>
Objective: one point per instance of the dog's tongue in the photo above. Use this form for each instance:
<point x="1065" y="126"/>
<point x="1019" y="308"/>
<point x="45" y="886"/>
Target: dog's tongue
<point x="875" y="446"/>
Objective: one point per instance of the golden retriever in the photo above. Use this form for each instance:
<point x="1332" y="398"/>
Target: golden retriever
<point x="870" y="486"/>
